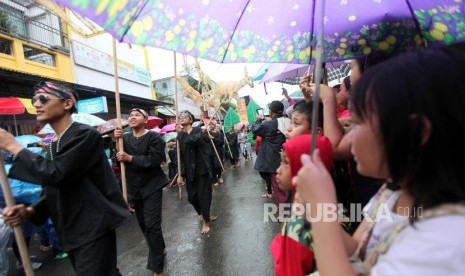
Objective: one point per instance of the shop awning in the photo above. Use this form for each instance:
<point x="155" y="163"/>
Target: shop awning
<point x="15" y="106"/>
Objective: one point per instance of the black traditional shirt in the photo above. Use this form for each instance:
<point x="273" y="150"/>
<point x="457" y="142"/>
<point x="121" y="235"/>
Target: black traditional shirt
<point x="144" y="174"/>
<point x="81" y="196"/>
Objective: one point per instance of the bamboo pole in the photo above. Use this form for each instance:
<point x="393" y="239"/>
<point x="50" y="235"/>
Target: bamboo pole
<point x="118" y="121"/>
<point x="214" y="147"/>
<point x="226" y="139"/>
<point x="178" y="148"/>
<point x="10" y="202"/>
<point x="172" y="181"/>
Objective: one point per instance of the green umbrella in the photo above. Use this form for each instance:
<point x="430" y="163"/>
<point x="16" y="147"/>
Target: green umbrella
<point x="252" y="111"/>
<point x="251" y="114"/>
<point x="230" y="119"/>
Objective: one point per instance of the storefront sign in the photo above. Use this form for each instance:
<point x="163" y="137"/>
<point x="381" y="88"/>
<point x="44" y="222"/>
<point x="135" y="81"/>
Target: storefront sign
<point x="99" y="61"/>
<point x="93" y="105"/>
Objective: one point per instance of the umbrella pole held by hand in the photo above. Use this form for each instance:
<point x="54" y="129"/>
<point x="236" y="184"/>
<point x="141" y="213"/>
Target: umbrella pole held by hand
<point x="118" y="120"/>
<point x="10" y="202"/>
<point x="318" y="75"/>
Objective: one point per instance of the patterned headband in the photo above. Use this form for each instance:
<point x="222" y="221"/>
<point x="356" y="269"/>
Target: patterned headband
<point x="141" y="111"/>
<point x="56" y="89"/>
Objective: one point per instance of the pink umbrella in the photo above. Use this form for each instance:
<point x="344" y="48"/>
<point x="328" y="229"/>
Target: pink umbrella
<point x="168" y="128"/>
<point x="156" y="129"/>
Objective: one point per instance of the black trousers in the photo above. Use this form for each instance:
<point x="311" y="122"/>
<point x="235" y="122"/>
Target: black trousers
<point x="97" y="257"/>
<point x="267" y="177"/>
<point x="148" y="213"/>
<point x="199" y="194"/>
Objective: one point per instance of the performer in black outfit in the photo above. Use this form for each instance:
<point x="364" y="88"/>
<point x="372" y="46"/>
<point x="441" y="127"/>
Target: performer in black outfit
<point x="81" y="195"/>
<point x="196" y="169"/>
<point x="144" y="151"/>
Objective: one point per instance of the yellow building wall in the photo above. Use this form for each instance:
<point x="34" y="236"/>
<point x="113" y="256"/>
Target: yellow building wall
<point x="62" y="71"/>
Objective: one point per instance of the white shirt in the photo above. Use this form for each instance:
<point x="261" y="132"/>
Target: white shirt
<point x="435" y="246"/>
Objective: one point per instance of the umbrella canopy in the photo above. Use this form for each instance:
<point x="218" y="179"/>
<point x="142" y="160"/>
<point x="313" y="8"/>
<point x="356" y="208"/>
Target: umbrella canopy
<point x="110" y="126"/>
<point x="291" y="73"/>
<point x="231" y="118"/>
<point x="82" y="118"/>
<point x="27" y="139"/>
<point x="153" y="121"/>
<point x="15" y="106"/>
<point x="252" y="111"/>
<point x="169" y="136"/>
<point x="156" y="129"/>
<point x="276" y="30"/>
<point x="168" y="128"/>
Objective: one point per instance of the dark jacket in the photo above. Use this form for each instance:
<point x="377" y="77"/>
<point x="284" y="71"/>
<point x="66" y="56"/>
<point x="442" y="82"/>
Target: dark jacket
<point x="195" y="158"/>
<point x="268" y="157"/>
<point x="233" y="144"/>
<point x="81" y="195"/>
<point x="144" y="174"/>
<point x="218" y="141"/>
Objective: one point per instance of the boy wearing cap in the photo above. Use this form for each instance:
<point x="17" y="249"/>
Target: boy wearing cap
<point x="144" y="151"/>
<point x="81" y="194"/>
<point x="273" y="137"/>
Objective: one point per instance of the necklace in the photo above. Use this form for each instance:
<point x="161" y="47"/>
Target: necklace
<point x="58" y="141"/>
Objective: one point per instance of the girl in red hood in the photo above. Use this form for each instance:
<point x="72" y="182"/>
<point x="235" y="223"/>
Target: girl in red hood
<point x="292" y="249"/>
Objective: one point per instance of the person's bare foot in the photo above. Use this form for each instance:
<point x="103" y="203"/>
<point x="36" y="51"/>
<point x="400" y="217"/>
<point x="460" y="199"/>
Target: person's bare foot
<point x="205" y="227"/>
<point x="158" y="274"/>
<point x="220" y="181"/>
<point x="216" y="184"/>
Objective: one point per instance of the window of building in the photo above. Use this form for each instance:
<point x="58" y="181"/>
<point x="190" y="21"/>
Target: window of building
<point x="12" y="22"/>
<point x="6" y="47"/>
<point x="39" y="56"/>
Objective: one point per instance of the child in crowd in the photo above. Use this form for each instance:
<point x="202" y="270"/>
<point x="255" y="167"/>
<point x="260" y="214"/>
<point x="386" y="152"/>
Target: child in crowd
<point x="402" y="111"/>
<point x="292" y="249"/>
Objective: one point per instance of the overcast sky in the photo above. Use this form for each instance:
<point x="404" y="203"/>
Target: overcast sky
<point x="162" y="66"/>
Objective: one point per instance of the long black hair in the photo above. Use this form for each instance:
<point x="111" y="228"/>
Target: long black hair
<point x="401" y="94"/>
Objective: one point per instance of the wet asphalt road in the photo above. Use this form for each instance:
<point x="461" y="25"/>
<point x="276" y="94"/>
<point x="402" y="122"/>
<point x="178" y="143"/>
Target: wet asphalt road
<point x="238" y="243"/>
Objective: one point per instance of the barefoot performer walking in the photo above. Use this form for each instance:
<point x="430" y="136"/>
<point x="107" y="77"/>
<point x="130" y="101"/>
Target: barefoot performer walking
<point x="195" y="165"/>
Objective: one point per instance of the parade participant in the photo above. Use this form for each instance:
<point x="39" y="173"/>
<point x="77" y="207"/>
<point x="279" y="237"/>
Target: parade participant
<point x="144" y="152"/>
<point x="273" y="137"/>
<point x="81" y="195"/>
<point x="233" y="142"/>
<point x="196" y="168"/>
<point x="214" y="150"/>
<point x="243" y="138"/>
<point x="402" y="111"/>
